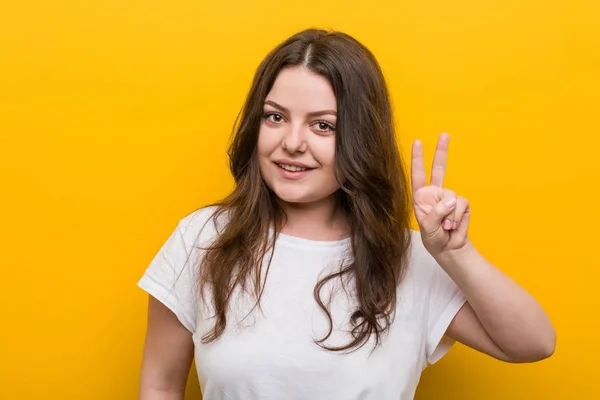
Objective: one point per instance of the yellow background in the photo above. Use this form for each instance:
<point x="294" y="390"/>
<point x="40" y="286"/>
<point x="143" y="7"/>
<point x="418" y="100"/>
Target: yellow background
<point x="114" y="121"/>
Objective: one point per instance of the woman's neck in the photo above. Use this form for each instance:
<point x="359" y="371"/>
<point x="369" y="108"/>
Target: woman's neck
<point x="323" y="220"/>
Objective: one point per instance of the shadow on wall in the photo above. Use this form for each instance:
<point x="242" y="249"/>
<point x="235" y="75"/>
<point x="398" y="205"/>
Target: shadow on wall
<point x="192" y="391"/>
<point x="446" y="376"/>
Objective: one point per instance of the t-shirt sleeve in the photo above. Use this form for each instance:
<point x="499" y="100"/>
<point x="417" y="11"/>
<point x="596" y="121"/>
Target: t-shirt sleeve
<point x="445" y="300"/>
<point x="171" y="276"/>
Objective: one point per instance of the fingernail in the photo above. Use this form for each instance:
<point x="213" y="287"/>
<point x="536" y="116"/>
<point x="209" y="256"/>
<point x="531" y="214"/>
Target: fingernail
<point x="447" y="224"/>
<point x="451" y="202"/>
<point x="454" y="225"/>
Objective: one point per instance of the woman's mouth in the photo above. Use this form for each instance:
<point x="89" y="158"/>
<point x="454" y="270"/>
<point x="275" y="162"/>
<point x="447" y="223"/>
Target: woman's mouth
<point x="292" y="172"/>
<point x="292" y="168"/>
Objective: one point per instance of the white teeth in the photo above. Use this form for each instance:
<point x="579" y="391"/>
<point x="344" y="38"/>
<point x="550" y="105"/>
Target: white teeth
<point x="292" y="168"/>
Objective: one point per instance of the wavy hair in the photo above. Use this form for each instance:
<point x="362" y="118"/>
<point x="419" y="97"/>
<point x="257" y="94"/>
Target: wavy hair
<point x="373" y="195"/>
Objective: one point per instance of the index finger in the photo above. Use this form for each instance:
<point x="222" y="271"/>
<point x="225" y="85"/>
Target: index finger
<point x="438" y="169"/>
<point x="417" y="167"/>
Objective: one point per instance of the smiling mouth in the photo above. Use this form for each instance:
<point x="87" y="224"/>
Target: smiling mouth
<point x="292" y="168"/>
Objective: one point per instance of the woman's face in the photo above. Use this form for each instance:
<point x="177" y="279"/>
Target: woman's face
<point x="296" y="142"/>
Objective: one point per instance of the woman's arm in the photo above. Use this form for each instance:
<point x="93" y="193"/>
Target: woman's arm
<point x="168" y="355"/>
<point x="500" y="318"/>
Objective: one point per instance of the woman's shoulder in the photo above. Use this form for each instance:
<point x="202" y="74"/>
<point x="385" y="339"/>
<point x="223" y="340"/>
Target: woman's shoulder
<point x="203" y="224"/>
<point x="420" y="262"/>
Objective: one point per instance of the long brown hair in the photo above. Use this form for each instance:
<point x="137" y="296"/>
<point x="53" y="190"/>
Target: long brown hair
<point x="373" y="195"/>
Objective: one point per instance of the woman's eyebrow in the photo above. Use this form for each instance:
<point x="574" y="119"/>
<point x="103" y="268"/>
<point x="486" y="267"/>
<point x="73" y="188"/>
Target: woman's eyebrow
<point x="310" y="114"/>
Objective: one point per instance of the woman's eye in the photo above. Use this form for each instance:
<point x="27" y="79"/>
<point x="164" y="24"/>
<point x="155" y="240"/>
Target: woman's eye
<point x="276" y="118"/>
<point x="323" y="126"/>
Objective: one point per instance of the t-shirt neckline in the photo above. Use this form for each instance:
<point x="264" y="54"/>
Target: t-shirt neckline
<point x="285" y="238"/>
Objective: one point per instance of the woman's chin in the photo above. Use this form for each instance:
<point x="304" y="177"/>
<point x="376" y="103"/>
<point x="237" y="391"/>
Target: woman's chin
<point x="292" y="198"/>
<point x="303" y="198"/>
<point x="301" y="194"/>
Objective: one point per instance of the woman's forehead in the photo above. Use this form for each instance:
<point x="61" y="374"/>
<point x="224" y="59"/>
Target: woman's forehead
<point x="299" y="88"/>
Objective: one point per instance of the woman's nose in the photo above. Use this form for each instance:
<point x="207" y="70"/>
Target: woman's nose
<point x="295" y="139"/>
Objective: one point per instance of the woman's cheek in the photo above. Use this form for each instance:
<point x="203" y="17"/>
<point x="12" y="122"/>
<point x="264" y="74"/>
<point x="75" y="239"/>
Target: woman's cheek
<point x="266" y="142"/>
<point x="327" y="161"/>
<point x="331" y="155"/>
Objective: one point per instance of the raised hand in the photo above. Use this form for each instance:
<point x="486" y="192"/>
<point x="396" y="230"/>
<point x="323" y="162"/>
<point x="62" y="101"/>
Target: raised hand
<point x="443" y="216"/>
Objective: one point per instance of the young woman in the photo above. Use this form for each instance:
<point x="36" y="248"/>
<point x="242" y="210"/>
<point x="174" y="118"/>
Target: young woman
<point x="306" y="282"/>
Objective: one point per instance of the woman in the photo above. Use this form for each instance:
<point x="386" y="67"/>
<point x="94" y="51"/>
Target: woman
<point x="306" y="282"/>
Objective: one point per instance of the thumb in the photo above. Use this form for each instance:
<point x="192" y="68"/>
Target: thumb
<point x="433" y="220"/>
<point x="464" y="224"/>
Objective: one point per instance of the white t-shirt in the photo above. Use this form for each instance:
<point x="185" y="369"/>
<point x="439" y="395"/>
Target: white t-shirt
<point x="272" y="354"/>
